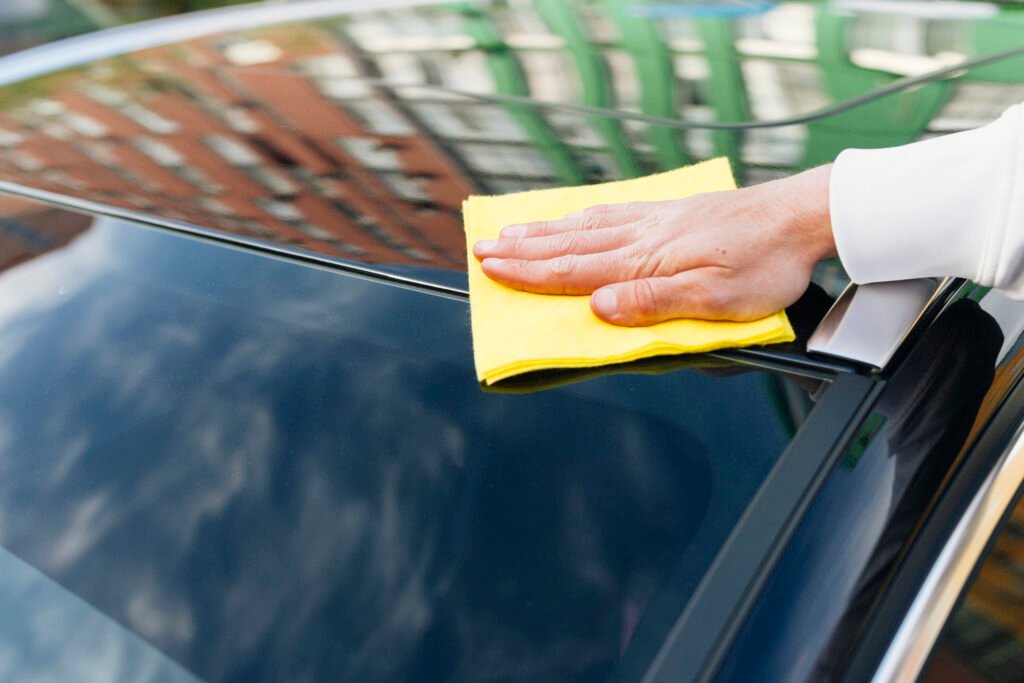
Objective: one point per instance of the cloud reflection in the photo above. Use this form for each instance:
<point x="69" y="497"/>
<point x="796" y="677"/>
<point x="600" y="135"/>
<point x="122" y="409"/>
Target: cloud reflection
<point x="279" y="473"/>
<point x="48" y="635"/>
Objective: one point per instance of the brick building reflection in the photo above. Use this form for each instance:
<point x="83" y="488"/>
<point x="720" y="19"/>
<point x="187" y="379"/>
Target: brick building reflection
<point x="346" y="137"/>
<point x="28" y="230"/>
<point x="260" y="151"/>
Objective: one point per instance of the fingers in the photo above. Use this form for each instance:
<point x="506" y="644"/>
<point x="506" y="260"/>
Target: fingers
<point x="592" y="218"/>
<point x="568" y="274"/>
<point x="697" y="293"/>
<point x="559" y="244"/>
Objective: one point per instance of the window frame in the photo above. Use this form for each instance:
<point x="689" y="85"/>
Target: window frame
<point x="702" y="632"/>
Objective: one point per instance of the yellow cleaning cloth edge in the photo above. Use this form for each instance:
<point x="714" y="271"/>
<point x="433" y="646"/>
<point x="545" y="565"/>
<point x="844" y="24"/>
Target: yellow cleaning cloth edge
<point x="516" y="332"/>
<point x="518" y="368"/>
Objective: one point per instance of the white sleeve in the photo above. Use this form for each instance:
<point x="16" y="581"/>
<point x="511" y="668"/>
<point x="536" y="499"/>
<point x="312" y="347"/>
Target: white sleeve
<point x="952" y="205"/>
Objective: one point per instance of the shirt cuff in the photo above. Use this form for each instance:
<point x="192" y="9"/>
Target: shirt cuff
<point x="927" y="209"/>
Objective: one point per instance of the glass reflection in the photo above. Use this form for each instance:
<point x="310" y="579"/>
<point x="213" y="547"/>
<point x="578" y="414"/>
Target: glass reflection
<point x="359" y="136"/>
<point x="274" y="472"/>
<point x="48" y="634"/>
<point x="984" y="640"/>
<point x="25" y="23"/>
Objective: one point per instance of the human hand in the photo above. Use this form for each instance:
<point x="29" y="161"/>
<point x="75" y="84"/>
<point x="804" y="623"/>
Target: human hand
<point x="733" y="255"/>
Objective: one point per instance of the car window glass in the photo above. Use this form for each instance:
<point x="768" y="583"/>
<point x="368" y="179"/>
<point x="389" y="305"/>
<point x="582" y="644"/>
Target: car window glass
<point x="269" y="471"/>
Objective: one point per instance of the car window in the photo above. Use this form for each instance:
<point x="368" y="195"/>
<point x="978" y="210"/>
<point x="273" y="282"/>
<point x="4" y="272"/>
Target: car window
<point x="984" y="640"/>
<point x="270" y="471"/>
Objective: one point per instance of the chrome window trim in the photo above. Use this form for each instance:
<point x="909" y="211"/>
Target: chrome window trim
<point x="271" y="249"/>
<point x="869" y="323"/>
<point x="79" y="50"/>
<point x="934" y="602"/>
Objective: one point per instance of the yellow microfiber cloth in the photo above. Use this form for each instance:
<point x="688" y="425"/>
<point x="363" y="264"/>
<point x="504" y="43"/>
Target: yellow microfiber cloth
<point x="516" y="332"/>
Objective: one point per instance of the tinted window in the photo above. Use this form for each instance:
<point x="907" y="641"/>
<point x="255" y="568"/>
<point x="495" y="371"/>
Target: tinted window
<point x="274" y="472"/>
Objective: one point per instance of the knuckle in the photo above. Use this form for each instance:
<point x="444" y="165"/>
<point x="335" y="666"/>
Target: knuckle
<point x="515" y="246"/>
<point x="639" y="261"/>
<point x="645" y="221"/>
<point x="563" y="265"/>
<point x="645" y="298"/>
<point x="567" y="241"/>
<point x="710" y="299"/>
<point x="516" y="268"/>
<point x="596" y="210"/>
<point x="590" y="222"/>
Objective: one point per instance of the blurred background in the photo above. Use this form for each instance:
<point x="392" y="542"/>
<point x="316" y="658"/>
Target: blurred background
<point x="24" y="23"/>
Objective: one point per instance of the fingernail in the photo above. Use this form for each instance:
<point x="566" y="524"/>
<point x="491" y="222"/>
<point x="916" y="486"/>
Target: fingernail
<point x="606" y="303"/>
<point x="514" y="231"/>
<point x="486" y="245"/>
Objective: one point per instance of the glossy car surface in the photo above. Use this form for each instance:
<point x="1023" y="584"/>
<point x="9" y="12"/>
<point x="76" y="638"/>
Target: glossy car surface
<point x="240" y="434"/>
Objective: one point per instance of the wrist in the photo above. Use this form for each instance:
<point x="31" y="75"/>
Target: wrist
<point x="802" y="205"/>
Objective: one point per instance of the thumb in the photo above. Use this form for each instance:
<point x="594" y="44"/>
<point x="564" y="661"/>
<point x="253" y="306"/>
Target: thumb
<point x="690" y="294"/>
